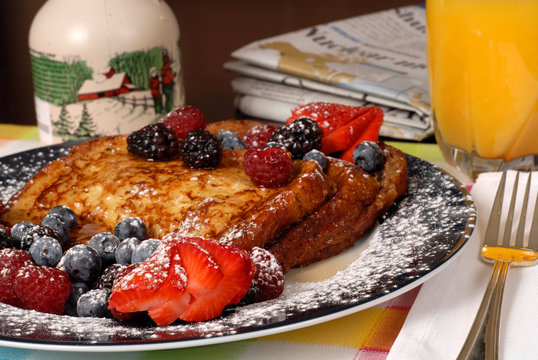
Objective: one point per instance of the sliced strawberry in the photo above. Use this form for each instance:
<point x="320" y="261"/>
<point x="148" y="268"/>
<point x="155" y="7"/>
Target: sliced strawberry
<point x="343" y="137"/>
<point x="154" y="282"/>
<point x="371" y="133"/>
<point x="237" y="269"/>
<point x="330" y="116"/>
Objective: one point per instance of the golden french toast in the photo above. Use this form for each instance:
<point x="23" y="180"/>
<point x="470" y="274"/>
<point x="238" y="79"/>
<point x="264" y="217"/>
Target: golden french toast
<point x="315" y="216"/>
<point x="104" y="183"/>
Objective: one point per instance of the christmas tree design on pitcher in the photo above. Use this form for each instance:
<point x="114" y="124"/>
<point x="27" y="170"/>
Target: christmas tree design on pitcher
<point x="138" y="86"/>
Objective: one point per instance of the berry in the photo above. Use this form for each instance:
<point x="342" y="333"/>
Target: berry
<point x="124" y="251"/>
<point x="318" y="157"/>
<point x="36" y="232"/>
<point x="56" y="223"/>
<point x="229" y="140"/>
<point x="257" y="136"/>
<point x="11" y="260"/>
<point x="184" y="119"/>
<point x="42" y="288"/>
<point x="105" y="244"/>
<point x="371" y="133"/>
<point x="82" y="263"/>
<point x="299" y="137"/>
<point x="201" y="150"/>
<point x="268" y="274"/>
<point x="268" y="168"/>
<point x="192" y="279"/>
<point x="94" y="303"/>
<point x="144" y="250"/>
<point x="106" y="280"/>
<point x="271" y="144"/>
<point x="46" y="251"/>
<point x="18" y="232"/>
<point x="67" y="215"/>
<point x="5" y="237"/>
<point x="131" y="227"/>
<point x="79" y="288"/>
<point x="369" y="156"/>
<point x="330" y="116"/>
<point x="154" y="142"/>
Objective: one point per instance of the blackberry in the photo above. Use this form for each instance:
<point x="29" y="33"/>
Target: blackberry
<point x="106" y="280"/>
<point x="154" y="142"/>
<point x="229" y="140"/>
<point x="201" y="150"/>
<point x="299" y="137"/>
<point x="369" y="156"/>
<point x="34" y="233"/>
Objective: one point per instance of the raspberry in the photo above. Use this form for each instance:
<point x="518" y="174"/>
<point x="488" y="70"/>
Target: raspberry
<point x="11" y="260"/>
<point x="154" y="142"/>
<point x="184" y="119"/>
<point x="42" y="288"/>
<point x="270" y="167"/>
<point x="268" y="274"/>
<point x="299" y="137"/>
<point x="257" y="136"/>
<point x="201" y="150"/>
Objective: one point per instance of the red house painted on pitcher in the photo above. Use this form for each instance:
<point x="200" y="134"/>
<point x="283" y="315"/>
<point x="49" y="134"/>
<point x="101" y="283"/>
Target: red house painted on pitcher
<point x="110" y="85"/>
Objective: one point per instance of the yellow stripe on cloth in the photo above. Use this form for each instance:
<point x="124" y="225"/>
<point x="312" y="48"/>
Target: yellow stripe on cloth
<point x="18" y="132"/>
<point x="373" y="328"/>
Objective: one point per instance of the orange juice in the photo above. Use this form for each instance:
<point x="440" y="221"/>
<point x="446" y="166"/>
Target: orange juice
<point x="483" y="68"/>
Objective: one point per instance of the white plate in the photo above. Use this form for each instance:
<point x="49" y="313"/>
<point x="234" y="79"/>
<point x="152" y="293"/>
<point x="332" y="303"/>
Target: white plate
<point x="417" y="238"/>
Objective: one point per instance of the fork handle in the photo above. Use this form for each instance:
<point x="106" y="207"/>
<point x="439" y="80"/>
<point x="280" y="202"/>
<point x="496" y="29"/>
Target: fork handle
<point x="483" y="339"/>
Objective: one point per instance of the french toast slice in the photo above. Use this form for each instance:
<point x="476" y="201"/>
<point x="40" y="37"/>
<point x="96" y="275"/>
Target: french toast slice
<point x="103" y="183"/>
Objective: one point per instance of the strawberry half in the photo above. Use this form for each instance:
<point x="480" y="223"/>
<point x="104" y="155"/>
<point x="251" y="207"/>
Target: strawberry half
<point x="237" y="270"/>
<point x="158" y="280"/>
<point x="371" y="133"/>
<point x="330" y="116"/>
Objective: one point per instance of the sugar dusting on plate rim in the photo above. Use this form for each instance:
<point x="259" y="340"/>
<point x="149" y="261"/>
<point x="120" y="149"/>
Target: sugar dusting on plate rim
<point x="421" y="233"/>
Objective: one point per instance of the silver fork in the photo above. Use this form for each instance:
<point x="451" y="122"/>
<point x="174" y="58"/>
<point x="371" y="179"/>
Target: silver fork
<point x="483" y="339"/>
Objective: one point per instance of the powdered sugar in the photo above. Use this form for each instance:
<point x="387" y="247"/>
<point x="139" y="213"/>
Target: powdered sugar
<point x="417" y="235"/>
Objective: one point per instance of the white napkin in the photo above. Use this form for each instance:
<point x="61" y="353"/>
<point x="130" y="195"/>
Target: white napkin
<point x="440" y="319"/>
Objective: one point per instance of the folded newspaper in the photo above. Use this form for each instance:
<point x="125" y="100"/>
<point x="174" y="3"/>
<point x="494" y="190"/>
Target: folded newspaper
<point x="375" y="59"/>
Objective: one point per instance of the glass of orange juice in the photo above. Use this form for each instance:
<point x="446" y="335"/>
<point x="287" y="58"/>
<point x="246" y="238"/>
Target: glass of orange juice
<point x="483" y="73"/>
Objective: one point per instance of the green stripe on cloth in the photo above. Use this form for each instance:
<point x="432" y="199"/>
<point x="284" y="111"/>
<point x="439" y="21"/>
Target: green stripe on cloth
<point x="428" y="152"/>
<point x="19" y="132"/>
<point x="226" y="351"/>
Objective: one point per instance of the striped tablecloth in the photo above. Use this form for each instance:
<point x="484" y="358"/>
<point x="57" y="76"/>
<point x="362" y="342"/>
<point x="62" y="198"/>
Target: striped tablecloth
<point x="365" y="335"/>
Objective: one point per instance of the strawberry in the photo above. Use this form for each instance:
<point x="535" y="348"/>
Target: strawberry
<point x="330" y="116"/>
<point x="11" y="261"/>
<point x="237" y="270"/>
<point x="192" y="279"/>
<point x="371" y="133"/>
<point x="42" y="288"/>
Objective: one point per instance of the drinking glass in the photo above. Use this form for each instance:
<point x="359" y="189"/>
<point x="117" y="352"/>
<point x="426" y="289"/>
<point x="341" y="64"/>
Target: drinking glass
<point x="483" y="73"/>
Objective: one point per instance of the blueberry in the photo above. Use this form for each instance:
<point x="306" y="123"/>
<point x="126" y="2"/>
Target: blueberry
<point x="369" y="156"/>
<point x="79" y="288"/>
<point x="57" y="224"/>
<point x="5" y="238"/>
<point x="229" y="140"/>
<point x="65" y="213"/>
<point x="106" y="244"/>
<point x="19" y="232"/>
<point x="131" y="227"/>
<point x="271" y="144"/>
<point x="82" y="263"/>
<point x="318" y="157"/>
<point x="46" y="251"/>
<point x="94" y="303"/>
<point x="144" y="250"/>
<point x="124" y="251"/>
